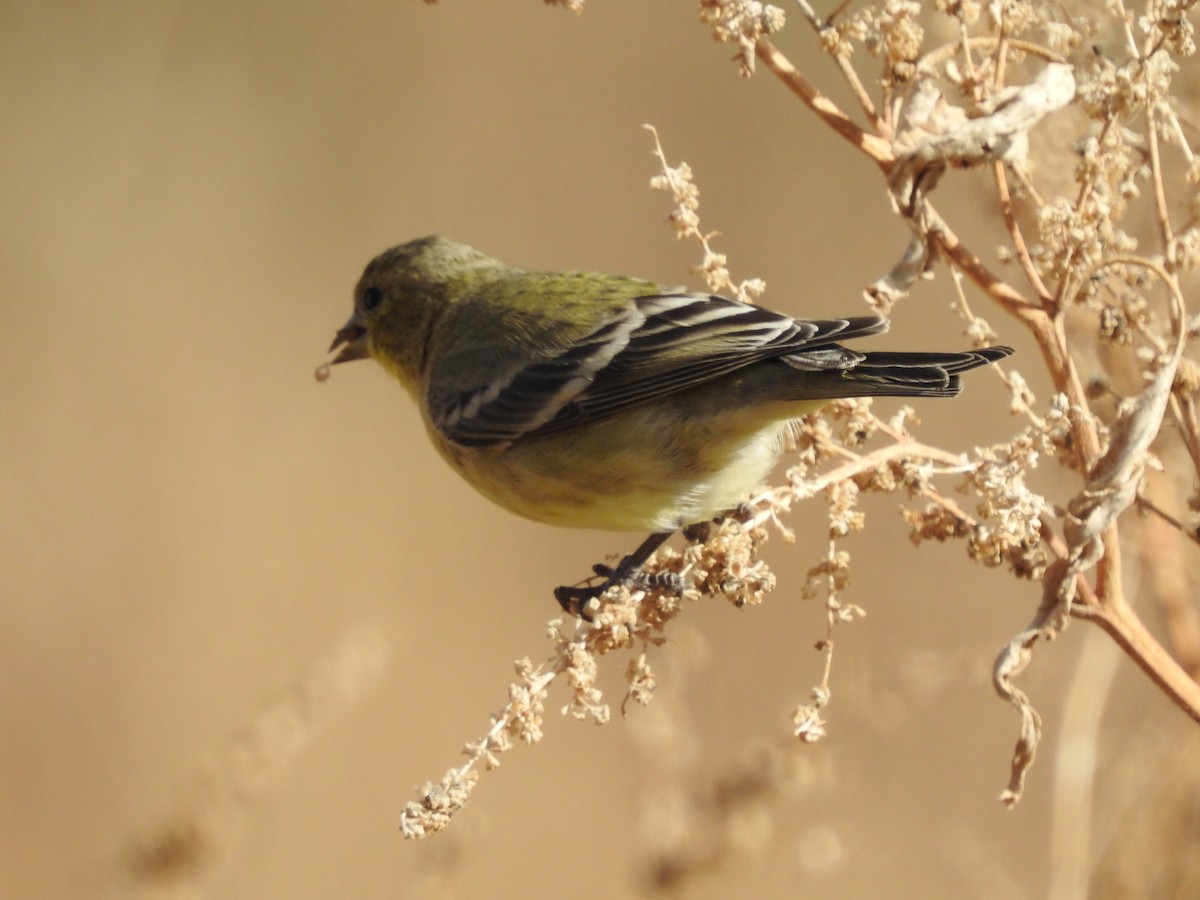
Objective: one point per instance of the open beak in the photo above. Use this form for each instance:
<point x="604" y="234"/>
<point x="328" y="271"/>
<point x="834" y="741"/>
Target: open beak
<point x="352" y="339"/>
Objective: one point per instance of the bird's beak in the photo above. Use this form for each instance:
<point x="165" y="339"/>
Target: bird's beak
<point x="352" y="339"/>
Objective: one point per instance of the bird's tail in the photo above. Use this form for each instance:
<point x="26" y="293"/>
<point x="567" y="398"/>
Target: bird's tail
<point x="902" y="374"/>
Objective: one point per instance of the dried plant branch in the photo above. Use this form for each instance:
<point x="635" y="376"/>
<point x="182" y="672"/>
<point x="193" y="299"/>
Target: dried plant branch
<point x="1018" y="239"/>
<point x="1091" y="291"/>
<point x="873" y="146"/>
<point x="828" y="34"/>
<point x="1111" y="461"/>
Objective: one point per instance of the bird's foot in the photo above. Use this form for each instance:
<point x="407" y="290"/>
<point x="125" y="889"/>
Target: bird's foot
<point x="628" y="573"/>
<point x="575" y="600"/>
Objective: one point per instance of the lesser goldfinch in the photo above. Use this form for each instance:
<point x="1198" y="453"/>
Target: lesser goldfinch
<point x="601" y="401"/>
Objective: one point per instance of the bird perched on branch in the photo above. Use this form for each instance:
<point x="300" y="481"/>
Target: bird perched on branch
<point x="601" y="401"/>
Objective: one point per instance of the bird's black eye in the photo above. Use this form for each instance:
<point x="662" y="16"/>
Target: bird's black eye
<point x="371" y="297"/>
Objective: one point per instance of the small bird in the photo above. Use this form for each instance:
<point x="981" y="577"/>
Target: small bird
<point x="602" y="401"/>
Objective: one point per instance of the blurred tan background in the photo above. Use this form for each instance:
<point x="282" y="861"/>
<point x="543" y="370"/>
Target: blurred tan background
<point x="252" y="612"/>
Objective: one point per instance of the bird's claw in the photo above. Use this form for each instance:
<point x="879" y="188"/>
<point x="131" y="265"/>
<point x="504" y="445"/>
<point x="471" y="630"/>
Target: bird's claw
<point x="575" y="600"/>
<point x="628" y="572"/>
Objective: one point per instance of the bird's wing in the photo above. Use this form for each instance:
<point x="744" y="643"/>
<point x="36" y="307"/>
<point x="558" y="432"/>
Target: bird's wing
<point x="643" y="350"/>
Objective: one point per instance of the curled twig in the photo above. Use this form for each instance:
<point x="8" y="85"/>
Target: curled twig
<point x="1109" y="491"/>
